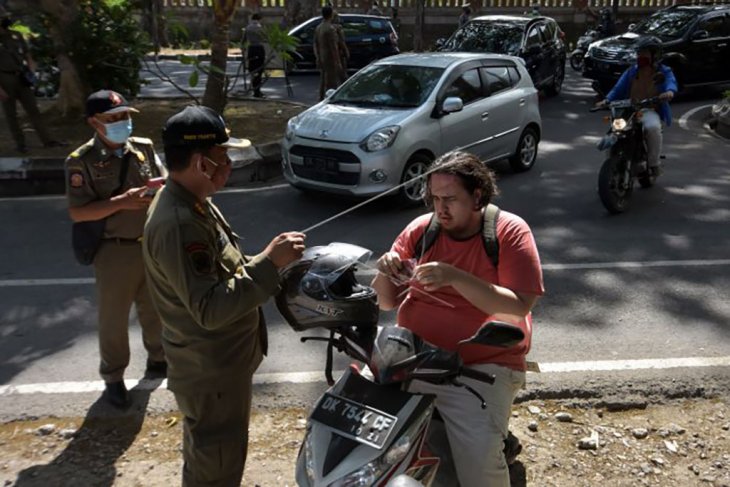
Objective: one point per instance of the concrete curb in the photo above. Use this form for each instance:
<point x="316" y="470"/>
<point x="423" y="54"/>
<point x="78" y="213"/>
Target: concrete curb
<point x="30" y="176"/>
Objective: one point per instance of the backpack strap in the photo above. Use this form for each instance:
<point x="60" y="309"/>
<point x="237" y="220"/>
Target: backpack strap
<point x="489" y="233"/>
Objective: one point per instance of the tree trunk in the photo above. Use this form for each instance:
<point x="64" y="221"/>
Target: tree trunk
<point x="215" y="88"/>
<point x="419" y="25"/>
<point x="72" y="91"/>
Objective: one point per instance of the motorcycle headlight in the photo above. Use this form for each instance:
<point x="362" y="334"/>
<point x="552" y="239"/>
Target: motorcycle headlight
<point x="618" y="124"/>
<point x="380" y="139"/>
<point x="291" y="127"/>
<point x="365" y="477"/>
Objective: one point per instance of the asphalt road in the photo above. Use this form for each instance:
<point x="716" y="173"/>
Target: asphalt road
<point x="649" y="284"/>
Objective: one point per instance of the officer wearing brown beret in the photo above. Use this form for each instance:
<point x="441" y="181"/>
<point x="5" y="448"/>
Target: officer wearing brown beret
<point x="16" y="80"/>
<point x="209" y="295"/>
<point x="106" y="179"/>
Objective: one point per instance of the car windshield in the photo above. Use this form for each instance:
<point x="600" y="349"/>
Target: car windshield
<point x="666" y="25"/>
<point x="389" y="85"/>
<point x="496" y="37"/>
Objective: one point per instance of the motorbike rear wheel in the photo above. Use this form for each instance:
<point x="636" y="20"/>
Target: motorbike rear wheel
<point x="576" y="61"/>
<point x="615" y="196"/>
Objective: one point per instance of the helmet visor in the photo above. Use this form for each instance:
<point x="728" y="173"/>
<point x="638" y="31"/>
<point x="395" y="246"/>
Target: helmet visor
<point x="340" y="257"/>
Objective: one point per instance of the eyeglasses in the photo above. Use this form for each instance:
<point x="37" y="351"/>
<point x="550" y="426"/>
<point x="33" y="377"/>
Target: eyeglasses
<point x="216" y="164"/>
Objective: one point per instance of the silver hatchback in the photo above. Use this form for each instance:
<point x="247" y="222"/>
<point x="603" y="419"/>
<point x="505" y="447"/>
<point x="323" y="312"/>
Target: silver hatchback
<point x="390" y="120"/>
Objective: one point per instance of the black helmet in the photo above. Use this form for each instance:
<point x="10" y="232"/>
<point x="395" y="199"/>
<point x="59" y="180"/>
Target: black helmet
<point x="652" y="44"/>
<point x="320" y="289"/>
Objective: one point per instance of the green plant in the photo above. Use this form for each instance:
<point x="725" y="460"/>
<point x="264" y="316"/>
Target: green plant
<point x="726" y="95"/>
<point x="107" y="45"/>
<point x="204" y="44"/>
<point x="178" y="34"/>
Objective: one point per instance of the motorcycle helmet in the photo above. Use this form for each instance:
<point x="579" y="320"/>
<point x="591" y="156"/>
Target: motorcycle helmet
<point x="320" y="289"/>
<point x="652" y="44"/>
<point x="393" y="346"/>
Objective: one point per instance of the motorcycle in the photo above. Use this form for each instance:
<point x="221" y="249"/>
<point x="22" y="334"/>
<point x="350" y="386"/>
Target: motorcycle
<point x="627" y="154"/>
<point x="367" y="429"/>
<point x="581" y="48"/>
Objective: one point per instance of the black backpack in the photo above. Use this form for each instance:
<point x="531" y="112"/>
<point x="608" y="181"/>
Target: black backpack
<point x="489" y="234"/>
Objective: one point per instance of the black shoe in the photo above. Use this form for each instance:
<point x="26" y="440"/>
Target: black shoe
<point x="258" y="94"/>
<point x="116" y="394"/>
<point x="512" y="448"/>
<point x="156" y="369"/>
<point x="656" y="171"/>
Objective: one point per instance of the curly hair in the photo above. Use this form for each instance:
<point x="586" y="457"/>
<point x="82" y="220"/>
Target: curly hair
<point x="472" y="172"/>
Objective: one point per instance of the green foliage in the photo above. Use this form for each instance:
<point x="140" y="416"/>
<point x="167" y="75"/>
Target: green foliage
<point x="107" y="45"/>
<point x="204" y="44"/>
<point x="726" y="94"/>
<point x="178" y="34"/>
<point x="280" y="41"/>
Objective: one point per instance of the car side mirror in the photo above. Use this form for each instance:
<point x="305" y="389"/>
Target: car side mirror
<point x="700" y="34"/>
<point x="452" y="104"/>
<point x="329" y="92"/>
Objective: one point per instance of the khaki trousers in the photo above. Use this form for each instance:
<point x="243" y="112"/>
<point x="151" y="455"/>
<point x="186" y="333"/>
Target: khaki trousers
<point x="18" y="92"/>
<point x="120" y="281"/>
<point x="215" y="436"/>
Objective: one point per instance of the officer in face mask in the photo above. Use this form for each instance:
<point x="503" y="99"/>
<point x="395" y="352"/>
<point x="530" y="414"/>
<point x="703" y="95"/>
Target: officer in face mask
<point x="108" y="178"/>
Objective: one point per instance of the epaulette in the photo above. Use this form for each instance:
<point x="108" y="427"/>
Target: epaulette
<point x="81" y="150"/>
<point x="141" y="140"/>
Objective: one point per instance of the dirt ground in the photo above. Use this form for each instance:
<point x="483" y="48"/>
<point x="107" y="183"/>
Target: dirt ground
<point x="260" y="121"/>
<point x="683" y="443"/>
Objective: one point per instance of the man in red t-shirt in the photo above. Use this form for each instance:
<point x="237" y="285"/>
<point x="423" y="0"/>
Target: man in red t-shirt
<point x="454" y="290"/>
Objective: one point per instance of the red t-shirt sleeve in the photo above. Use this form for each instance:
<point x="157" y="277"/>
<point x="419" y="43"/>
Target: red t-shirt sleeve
<point x="519" y="266"/>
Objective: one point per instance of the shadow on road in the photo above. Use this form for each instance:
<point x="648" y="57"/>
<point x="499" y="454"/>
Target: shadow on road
<point x="104" y="436"/>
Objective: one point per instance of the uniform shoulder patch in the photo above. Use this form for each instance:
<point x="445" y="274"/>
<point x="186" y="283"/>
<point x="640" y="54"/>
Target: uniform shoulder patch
<point x="78" y="153"/>
<point x="201" y="258"/>
<point x="75" y="179"/>
<point x="141" y="140"/>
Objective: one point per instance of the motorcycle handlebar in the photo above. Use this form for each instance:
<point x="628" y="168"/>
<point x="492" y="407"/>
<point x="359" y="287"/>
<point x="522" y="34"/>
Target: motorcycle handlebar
<point x="476" y="375"/>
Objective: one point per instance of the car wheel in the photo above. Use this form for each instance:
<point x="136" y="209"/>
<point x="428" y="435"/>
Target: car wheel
<point x="412" y="194"/>
<point x="526" y="154"/>
<point x="557" y="84"/>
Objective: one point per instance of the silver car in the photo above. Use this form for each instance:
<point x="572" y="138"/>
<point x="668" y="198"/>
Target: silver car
<point x="390" y="120"/>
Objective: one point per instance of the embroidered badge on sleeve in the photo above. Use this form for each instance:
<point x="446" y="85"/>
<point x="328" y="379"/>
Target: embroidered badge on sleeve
<point x="201" y="259"/>
<point x="76" y="180"/>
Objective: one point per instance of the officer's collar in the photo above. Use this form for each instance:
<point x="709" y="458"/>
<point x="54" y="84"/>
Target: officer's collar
<point x="181" y="192"/>
<point x="105" y="152"/>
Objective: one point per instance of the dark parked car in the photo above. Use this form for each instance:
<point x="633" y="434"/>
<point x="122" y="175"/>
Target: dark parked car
<point x="537" y="40"/>
<point x="696" y="41"/>
<point x="368" y="38"/>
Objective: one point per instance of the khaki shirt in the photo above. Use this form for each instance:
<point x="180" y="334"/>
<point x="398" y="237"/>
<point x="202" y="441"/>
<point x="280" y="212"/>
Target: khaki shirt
<point x="93" y="172"/>
<point x="207" y="293"/>
<point x="13" y="53"/>
<point x="325" y="46"/>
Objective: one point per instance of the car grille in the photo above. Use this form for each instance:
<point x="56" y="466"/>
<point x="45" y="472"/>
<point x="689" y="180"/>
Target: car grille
<point x="606" y="55"/>
<point x="324" y="165"/>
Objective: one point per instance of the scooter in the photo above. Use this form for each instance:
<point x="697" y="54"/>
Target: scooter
<point x="581" y="48"/>
<point x="367" y="429"/>
<point x="627" y="154"/>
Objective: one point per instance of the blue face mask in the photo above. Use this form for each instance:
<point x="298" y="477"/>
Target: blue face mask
<point x="118" y="132"/>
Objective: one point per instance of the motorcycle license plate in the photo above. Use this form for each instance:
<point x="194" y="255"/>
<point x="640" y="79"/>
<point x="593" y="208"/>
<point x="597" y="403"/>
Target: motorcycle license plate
<point x="354" y="420"/>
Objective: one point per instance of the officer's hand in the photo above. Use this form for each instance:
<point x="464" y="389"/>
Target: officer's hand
<point x="434" y="275"/>
<point x="285" y="248"/>
<point x="601" y="104"/>
<point x="666" y="96"/>
<point x="133" y="199"/>
<point x="390" y="265"/>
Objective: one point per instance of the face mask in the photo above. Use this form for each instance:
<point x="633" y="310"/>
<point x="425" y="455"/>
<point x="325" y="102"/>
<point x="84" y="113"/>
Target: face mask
<point x="6" y="23"/>
<point x="118" y="132"/>
<point x="643" y="61"/>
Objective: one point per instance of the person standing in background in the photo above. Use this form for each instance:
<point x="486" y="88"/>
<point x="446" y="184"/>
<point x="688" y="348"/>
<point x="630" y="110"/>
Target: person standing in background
<point x="327" y="52"/>
<point x="255" y="40"/>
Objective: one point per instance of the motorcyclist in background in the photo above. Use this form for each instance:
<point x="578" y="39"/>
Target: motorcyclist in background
<point x="648" y="78"/>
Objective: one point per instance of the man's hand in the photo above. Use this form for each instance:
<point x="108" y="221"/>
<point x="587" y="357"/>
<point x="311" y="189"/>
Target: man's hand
<point x="133" y="199"/>
<point x="390" y="265"/>
<point x="666" y="96"/>
<point x="285" y="248"/>
<point x="435" y="275"/>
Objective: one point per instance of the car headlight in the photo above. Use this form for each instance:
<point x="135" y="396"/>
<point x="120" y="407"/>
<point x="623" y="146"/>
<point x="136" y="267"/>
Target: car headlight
<point x="380" y="139"/>
<point x="291" y="127"/>
<point x="618" y="124"/>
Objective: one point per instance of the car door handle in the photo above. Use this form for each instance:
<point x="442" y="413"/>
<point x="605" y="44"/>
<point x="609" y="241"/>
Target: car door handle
<point x="522" y="102"/>
<point x="485" y="115"/>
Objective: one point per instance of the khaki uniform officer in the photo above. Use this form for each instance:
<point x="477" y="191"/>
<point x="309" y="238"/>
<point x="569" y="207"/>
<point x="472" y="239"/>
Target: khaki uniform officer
<point x="15" y="64"/>
<point x="209" y="296"/>
<point x="106" y="180"/>
<point x="327" y="52"/>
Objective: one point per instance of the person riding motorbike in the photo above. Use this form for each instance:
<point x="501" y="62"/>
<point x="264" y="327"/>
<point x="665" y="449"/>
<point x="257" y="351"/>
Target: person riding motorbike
<point x="648" y="78"/>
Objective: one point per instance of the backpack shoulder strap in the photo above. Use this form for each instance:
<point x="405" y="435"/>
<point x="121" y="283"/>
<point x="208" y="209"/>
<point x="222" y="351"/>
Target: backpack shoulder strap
<point x="489" y="233"/>
<point x="428" y="237"/>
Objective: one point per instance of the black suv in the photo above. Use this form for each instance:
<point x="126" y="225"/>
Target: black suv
<point x="696" y="41"/>
<point x="537" y="40"/>
<point x="368" y="38"/>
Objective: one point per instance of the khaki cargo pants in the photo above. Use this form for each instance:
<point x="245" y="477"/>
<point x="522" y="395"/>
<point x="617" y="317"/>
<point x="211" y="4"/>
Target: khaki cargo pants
<point x="215" y="437"/>
<point x="120" y="281"/>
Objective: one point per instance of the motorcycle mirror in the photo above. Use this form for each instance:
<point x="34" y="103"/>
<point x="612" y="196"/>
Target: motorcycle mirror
<point x="497" y="334"/>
